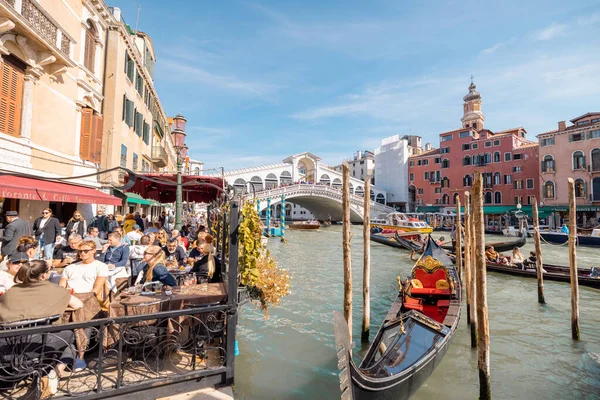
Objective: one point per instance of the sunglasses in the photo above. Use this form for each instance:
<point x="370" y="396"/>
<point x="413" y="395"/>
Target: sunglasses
<point x="85" y="251"/>
<point x="45" y="212"/>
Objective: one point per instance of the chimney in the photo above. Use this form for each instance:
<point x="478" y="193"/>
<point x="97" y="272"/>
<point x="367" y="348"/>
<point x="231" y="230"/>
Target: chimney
<point x="427" y="146"/>
<point x="562" y="125"/>
<point x="117" y="13"/>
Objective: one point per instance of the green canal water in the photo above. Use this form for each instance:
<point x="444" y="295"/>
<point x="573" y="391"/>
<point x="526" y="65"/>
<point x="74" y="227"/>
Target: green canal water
<point x="291" y="355"/>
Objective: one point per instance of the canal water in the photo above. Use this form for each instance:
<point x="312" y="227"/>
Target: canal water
<point x="291" y="355"/>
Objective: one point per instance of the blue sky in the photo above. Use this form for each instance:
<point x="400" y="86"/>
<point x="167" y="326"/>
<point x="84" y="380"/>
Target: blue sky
<point x="261" y="80"/>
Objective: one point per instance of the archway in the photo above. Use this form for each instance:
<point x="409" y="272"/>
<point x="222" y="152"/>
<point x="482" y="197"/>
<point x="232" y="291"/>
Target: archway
<point x="306" y="170"/>
<point x="337" y="183"/>
<point x="257" y="183"/>
<point x="285" y="178"/>
<point x="372" y="195"/>
<point x="270" y="181"/>
<point x="325" y="179"/>
<point x="239" y="185"/>
<point x="359" y="191"/>
<point x="380" y="198"/>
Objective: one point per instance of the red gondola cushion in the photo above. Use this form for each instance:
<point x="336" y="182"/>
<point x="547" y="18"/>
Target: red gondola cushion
<point x="428" y="279"/>
<point x="429" y="291"/>
<point x="413" y="304"/>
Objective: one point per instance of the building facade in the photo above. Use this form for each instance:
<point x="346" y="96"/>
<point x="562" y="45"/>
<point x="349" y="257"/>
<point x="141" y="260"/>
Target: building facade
<point x="571" y="152"/>
<point x="361" y="165"/>
<point x="506" y="159"/>
<point x="391" y="168"/>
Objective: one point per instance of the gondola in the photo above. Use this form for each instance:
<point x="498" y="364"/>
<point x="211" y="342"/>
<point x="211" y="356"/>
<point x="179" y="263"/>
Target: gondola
<point x="388" y="241"/>
<point x="500" y="246"/>
<point x="408" y="244"/>
<point x="586" y="276"/>
<point x="413" y="338"/>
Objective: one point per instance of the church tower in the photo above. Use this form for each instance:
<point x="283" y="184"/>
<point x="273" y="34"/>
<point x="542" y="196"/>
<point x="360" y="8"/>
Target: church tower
<point x="472" y="117"/>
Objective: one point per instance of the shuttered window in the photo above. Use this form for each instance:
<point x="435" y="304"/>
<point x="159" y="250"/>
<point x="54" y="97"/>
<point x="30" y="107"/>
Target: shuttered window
<point x="129" y="112"/>
<point x="90" y="48"/>
<point x="139" y="123"/>
<point x="146" y="136"/>
<point x="92" y="130"/>
<point x="129" y="67"/>
<point x="11" y="97"/>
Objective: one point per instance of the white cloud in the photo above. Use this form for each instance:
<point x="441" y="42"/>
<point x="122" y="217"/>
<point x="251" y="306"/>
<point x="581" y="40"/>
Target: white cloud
<point x="496" y="47"/>
<point x="551" y="32"/>
<point x="587" y="20"/>
<point x="197" y="74"/>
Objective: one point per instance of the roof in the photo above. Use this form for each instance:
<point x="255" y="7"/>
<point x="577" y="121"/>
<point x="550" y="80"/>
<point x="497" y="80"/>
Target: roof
<point x="306" y="153"/>
<point x="588" y="114"/>
<point x="528" y="144"/>
<point x="426" y="153"/>
<point x="511" y="130"/>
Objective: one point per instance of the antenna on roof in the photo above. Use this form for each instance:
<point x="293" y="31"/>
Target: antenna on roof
<point x="137" y="19"/>
<point x="472" y="78"/>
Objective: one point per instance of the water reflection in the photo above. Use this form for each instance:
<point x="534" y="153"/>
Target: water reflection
<point x="291" y="355"/>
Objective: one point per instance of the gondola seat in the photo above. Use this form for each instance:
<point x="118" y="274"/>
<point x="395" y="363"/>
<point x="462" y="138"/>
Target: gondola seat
<point x="411" y="303"/>
<point x="432" y="291"/>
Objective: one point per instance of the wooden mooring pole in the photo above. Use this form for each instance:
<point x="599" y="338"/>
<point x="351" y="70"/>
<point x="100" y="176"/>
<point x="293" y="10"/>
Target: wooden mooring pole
<point x="364" y="337"/>
<point x="573" y="261"/>
<point x="539" y="266"/>
<point x="483" y="342"/>
<point x="458" y="239"/>
<point x="473" y="280"/>
<point x="346" y="245"/>
<point x="467" y="252"/>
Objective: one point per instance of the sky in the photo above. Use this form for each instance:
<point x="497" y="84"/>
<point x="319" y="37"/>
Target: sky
<point x="259" y="81"/>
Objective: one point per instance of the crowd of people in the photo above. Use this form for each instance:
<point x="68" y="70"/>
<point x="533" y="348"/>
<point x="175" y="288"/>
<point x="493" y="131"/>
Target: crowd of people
<point x="44" y="267"/>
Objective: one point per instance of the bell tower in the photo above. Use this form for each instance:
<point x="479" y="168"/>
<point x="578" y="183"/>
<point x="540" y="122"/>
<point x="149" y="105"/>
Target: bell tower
<point x="472" y="115"/>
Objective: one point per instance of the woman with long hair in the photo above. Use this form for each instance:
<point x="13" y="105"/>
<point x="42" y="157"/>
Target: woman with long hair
<point x="162" y="237"/>
<point x="155" y="269"/>
<point x="208" y="265"/>
<point x="76" y="224"/>
<point x="28" y="245"/>
<point x="47" y="231"/>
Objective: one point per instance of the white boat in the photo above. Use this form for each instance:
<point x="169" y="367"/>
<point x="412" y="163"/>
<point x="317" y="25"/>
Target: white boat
<point x="397" y="221"/>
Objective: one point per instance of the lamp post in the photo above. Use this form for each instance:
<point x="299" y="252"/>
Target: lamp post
<point x="181" y="150"/>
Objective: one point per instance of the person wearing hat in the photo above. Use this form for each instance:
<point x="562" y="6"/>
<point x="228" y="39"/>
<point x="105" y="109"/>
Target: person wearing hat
<point x="7" y="278"/>
<point x="12" y="233"/>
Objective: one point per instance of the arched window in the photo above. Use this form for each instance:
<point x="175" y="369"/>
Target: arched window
<point x="380" y="198"/>
<point x="239" y="185"/>
<point x="467" y="160"/>
<point x="467" y="180"/>
<point x="488" y="158"/>
<point x="497" y="198"/>
<point x="578" y="160"/>
<point x="548" y="163"/>
<point x="497" y="178"/>
<point x="271" y="181"/>
<point x="445" y="199"/>
<point x="580" y="189"/>
<point x="257" y="183"/>
<point x="359" y="191"/>
<point x="497" y="156"/>
<point x="285" y="178"/>
<point x="351" y="187"/>
<point x="325" y="179"/>
<point x="445" y="163"/>
<point x="454" y="198"/>
<point x="476" y="160"/>
<point x="337" y="183"/>
<point x="372" y="195"/>
<point x="488" y="198"/>
<point x="549" y="190"/>
<point x="596" y="160"/>
<point x="89" y="52"/>
<point x="445" y="182"/>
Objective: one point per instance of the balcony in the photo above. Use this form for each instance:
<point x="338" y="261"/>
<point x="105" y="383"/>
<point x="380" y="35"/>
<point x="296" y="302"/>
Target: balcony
<point x="33" y="22"/>
<point x="159" y="156"/>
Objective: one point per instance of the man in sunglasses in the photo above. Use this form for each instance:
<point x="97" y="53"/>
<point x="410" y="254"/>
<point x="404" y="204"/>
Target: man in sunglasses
<point x="88" y="275"/>
<point x="66" y="255"/>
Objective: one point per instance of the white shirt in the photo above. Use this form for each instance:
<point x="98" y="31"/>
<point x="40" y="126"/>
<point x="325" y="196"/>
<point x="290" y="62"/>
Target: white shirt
<point x="81" y="277"/>
<point x="43" y="223"/>
<point x="133" y="235"/>
<point x="6" y="280"/>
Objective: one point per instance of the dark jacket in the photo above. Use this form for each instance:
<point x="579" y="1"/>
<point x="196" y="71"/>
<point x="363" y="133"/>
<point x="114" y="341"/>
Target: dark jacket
<point x="117" y="256"/>
<point x="201" y="267"/>
<point x="51" y="230"/>
<point x="160" y="274"/>
<point x="81" y="228"/>
<point x="12" y="234"/>
<point x="100" y="222"/>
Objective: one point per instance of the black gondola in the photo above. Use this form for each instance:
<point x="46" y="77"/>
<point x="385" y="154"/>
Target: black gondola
<point x="413" y="337"/>
<point x="500" y="246"/>
<point x="388" y="241"/>
<point x="586" y="276"/>
<point x="408" y="244"/>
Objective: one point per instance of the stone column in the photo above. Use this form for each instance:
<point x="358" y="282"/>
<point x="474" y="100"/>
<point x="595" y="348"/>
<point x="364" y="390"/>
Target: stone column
<point x="32" y="75"/>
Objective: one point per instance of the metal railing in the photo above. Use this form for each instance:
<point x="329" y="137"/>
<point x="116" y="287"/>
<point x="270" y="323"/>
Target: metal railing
<point x="44" y="24"/>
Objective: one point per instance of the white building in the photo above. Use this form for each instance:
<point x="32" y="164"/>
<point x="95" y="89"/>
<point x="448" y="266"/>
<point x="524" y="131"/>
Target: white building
<point x="361" y="165"/>
<point x="391" y="167"/>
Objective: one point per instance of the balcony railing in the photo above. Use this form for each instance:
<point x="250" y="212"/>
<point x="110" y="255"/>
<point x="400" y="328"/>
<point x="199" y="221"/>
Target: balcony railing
<point x="159" y="156"/>
<point x="43" y="24"/>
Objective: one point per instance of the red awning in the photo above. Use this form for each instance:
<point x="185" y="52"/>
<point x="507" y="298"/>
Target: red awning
<point x="16" y="187"/>
<point x="162" y="187"/>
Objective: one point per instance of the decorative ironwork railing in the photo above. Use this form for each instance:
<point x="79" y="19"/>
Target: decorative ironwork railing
<point x="124" y="354"/>
<point x="45" y="25"/>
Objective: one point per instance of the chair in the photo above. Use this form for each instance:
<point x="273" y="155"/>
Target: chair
<point x="143" y="337"/>
<point x="29" y="356"/>
<point x="206" y="331"/>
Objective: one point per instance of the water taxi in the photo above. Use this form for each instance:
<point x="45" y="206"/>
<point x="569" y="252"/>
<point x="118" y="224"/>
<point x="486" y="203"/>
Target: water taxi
<point x="398" y="220"/>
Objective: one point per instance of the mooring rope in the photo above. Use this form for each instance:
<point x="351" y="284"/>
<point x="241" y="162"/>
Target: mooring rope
<point x="555" y="244"/>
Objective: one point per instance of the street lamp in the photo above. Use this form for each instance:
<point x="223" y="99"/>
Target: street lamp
<point x="181" y="150"/>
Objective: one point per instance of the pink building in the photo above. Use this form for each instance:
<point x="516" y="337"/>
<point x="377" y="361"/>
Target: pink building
<point x="508" y="162"/>
<point x="571" y="152"/>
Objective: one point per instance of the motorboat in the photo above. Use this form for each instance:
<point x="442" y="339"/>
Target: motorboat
<point x="397" y="220"/>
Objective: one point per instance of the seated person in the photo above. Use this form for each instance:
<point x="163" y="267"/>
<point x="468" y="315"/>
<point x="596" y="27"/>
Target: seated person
<point x="493" y="256"/>
<point x="517" y="258"/>
<point x="175" y="255"/>
<point x="93" y="233"/>
<point x="441" y="241"/>
<point x="33" y="297"/>
<point x="208" y="265"/>
<point x="65" y="255"/>
<point x="124" y="238"/>
<point x="135" y="234"/>
<point x="115" y="254"/>
<point x="136" y="255"/>
<point x="28" y="245"/>
<point x="154" y="268"/>
<point x="7" y="278"/>
<point x="88" y="275"/>
<point x="196" y="252"/>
